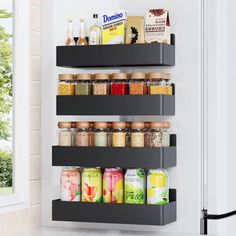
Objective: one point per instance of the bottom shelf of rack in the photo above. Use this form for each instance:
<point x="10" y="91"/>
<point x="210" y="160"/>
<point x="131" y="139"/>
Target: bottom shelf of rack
<point x="116" y="213"/>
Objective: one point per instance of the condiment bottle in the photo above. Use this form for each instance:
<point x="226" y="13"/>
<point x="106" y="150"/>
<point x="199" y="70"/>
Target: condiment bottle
<point x="70" y="33"/>
<point x="83" y="84"/>
<point x="82" y="134"/>
<point x="64" y="134"/>
<point x="95" y="32"/>
<point x="101" y="84"/>
<point x="100" y="134"/>
<point x="137" y="134"/>
<point x="119" y="134"/>
<point x="119" y="84"/>
<point x="82" y="38"/>
<point x="137" y="84"/>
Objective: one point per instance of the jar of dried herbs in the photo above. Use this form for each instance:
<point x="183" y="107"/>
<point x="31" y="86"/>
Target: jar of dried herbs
<point x="66" y="84"/>
<point x="82" y="134"/>
<point x="156" y="134"/>
<point x="100" y="134"/>
<point x="83" y="84"/>
<point x="137" y="134"/>
<point x="101" y="84"/>
<point x="65" y="134"/>
<point x="156" y="83"/>
<point x="137" y="84"/>
<point x="119" y="84"/>
<point x="119" y="134"/>
<point x="166" y="134"/>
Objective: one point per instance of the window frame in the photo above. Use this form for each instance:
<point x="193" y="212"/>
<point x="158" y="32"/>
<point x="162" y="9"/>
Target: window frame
<point x="21" y="106"/>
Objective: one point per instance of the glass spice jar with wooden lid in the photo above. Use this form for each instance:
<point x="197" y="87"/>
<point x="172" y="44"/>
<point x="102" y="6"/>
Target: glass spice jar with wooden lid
<point x="168" y="90"/>
<point x="137" y="84"/>
<point x="137" y="134"/>
<point x="65" y="134"/>
<point x="101" y="84"/>
<point x="156" y="134"/>
<point x="66" y="84"/>
<point x="166" y="134"/>
<point x="82" y="134"/>
<point x="100" y="134"/>
<point x="119" y="134"/>
<point x="83" y="84"/>
<point x="119" y="84"/>
<point x="156" y="83"/>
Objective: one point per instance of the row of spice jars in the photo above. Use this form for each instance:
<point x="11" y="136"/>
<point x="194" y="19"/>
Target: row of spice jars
<point x="137" y="83"/>
<point x="114" y="134"/>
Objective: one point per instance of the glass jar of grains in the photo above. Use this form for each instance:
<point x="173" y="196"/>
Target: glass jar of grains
<point x="101" y="85"/>
<point x="156" y="83"/>
<point x="82" y="134"/>
<point x="119" y="134"/>
<point x="137" y="134"/>
<point x="137" y="84"/>
<point x="167" y="85"/>
<point x="83" y="85"/>
<point x="66" y="84"/>
<point x="100" y="134"/>
<point x="119" y="84"/>
<point x="166" y="134"/>
<point x="156" y="134"/>
<point x="128" y="134"/>
<point x="65" y="134"/>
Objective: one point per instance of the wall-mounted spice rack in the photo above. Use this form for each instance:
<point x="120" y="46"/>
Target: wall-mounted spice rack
<point x="123" y="55"/>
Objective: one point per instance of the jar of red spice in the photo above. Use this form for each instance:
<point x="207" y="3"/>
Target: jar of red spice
<point x="82" y="134"/>
<point x="119" y="84"/>
<point x="137" y="84"/>
<point x="101" y="85"/>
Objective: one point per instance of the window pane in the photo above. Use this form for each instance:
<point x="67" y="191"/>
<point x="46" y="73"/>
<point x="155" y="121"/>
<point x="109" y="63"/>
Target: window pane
<point x="6" y="102"/>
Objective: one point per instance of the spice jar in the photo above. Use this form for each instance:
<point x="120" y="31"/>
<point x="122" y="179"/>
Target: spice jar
<point x="119" y="134"/>
<point x="100" y="134"/>
<point x="165" y="134"/>
<point x="64" y="134"/>
<point x="66" y="84"/>
<point x="83" y="85"/>
<point x="101" y="84"/>
<point x="91" y="134"/>
<point x="147" y="135"/>
<point x="137" y="134"/>
<point x="73" y="130"/>
<point x="109" y="134"/>
<point x="156" y="134"/>
<point x="82" y="134"/>
<point x="167" y="85"/>
<point x="119" y="84"/>
<point x="128" y="135"/>
<point x="156" y="83"/>
<point x="137" y="84"/>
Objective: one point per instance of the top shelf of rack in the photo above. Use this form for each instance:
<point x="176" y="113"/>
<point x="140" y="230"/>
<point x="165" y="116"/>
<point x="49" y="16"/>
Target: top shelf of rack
<point x="123" y="55"/>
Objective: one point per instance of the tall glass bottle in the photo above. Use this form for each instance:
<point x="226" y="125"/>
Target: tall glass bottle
<point x="95" y="32"/>
<point x="82" y="39"/>
<point x="70" y="33"/>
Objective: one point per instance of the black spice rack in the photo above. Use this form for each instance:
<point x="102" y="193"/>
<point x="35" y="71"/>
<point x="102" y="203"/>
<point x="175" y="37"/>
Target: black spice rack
<point x="123" y="55"/>
<point x="142" y="214"/>
<point x="105" y="157"/>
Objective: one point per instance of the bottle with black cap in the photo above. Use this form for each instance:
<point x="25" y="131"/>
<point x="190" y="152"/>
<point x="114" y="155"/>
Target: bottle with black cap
<point x="95" y="32"/>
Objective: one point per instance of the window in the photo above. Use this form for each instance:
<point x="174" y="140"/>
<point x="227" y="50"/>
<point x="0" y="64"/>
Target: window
<point x="14" y="103"/>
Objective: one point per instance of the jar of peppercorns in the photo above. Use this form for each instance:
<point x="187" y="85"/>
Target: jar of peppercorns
<point x="119" y="84"/>
<point x="66" y="84"/>
<point x="137" y="84"/>
<point x="101" y="85"/>
<point x="156" y="134"/>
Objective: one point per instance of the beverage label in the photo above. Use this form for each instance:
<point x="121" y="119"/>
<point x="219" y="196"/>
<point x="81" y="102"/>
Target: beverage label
<point x="70" y="184"/>
<point x="157" y="187"/>
<point x="94" y="38"/>
<point x="113" y="186"/>
<point x="113" y="27"/>
<point x="135" y="180"/>
<point x="92" y="185"/>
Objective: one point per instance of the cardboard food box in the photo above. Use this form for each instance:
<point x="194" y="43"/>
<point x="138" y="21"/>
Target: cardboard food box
<point x="157" y="26"/>
<point x="135" y="30"/>
<point x="113" y="27"/>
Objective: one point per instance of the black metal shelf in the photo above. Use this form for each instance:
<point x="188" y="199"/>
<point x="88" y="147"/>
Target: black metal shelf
<point x="105" y="157"/>
<point x="122" y="55"/>
<point x="116" y="213"/>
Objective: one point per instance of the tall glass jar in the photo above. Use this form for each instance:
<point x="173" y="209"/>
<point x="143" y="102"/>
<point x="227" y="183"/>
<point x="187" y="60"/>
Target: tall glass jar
<point x="156" y="83"/>
<point x="128" y="134"/>
<point x="101" y="85"/>
<point x="65" y="134"/>
<point x="109" y="134"/>
<point x="167" y="85"/>
<point x="66" y="84"/>
<point x="100" y="134"/>
<point x="119" y="134"/>
<point x="147" y="134"/>
<point x="91" y="134"/>
<point x="119" y="84"/>
<point x="156" y="134"/>
<point x="82" y="134"/>
<point x="137" y="134"/>
<point x="166" y="134"/>
<point x="137" y="84"/>
<point x="83" y="85"/>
